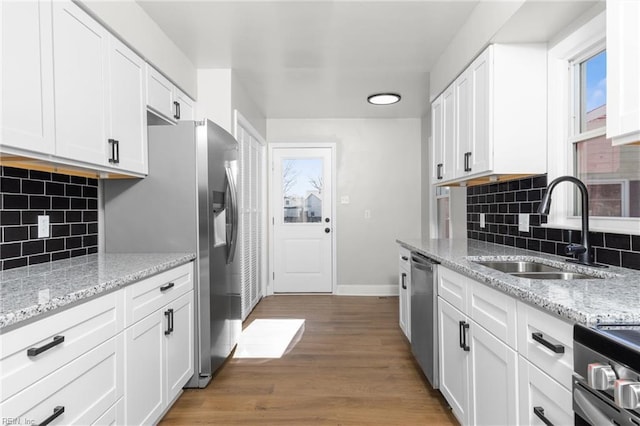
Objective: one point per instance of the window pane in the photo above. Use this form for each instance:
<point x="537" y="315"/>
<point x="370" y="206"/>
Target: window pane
<point x="593" y="99"/>
<point x="302" y="181"/>
<point x="612" y="176"/>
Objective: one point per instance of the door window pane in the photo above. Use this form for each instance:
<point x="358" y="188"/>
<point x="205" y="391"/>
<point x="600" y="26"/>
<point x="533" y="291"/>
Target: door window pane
<point x="302" y="182"/>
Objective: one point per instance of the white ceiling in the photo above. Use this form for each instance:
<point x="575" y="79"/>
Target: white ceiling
<point x="320" y="58"/>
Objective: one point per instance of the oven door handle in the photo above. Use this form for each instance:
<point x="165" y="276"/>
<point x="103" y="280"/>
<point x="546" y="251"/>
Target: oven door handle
<point x="593" y="415"/>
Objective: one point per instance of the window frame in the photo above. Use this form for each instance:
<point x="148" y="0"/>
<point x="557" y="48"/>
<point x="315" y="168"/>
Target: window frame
<point x="564" y="124"/>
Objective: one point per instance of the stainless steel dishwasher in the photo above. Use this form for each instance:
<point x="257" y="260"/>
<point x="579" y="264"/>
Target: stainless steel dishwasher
<point x="424" y="327"/>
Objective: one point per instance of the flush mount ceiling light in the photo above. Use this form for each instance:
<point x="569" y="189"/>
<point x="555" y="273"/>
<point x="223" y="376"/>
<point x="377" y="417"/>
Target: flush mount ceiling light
<point x="384" y="98"/>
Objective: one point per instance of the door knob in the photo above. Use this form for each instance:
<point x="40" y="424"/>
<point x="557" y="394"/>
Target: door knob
<point x="327" y="230"/>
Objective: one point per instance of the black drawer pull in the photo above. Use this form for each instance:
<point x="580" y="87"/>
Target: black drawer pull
<point x="405" y="258"/>
<point x="539" y="411"/>
<point x="37" y="351"/>
<point x="559" y="349"/>
<point x="56" y="413"/>
<point x="167" y="287"/>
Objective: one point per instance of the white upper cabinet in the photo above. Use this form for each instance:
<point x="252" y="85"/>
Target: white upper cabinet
<point x="497" y="115"/>
<point x="165" y="100"/>
<point x="80" y="65"/>
<point x="127" y="102"/>
<point x="443" y="115"/>
<point x="27" y="76"/>
<point x="623" y="71"/>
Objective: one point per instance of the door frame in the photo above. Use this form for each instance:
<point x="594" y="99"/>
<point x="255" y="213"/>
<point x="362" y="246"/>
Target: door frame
<point x="334" y="218"/>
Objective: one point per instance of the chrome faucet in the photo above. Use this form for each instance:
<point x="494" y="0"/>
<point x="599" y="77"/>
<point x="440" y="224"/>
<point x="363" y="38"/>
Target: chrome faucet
<point x="582" y="251"/>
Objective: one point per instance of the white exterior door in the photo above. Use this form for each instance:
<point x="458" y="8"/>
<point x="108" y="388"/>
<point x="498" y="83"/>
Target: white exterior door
<point x="302" y="219"/>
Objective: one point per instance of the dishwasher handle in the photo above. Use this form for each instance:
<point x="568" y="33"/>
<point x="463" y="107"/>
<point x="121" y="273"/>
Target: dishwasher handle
<point x="422" y="263"/>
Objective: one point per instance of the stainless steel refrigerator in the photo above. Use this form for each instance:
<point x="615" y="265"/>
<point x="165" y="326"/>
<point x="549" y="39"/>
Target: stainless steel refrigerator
<point x="188" y="203"/>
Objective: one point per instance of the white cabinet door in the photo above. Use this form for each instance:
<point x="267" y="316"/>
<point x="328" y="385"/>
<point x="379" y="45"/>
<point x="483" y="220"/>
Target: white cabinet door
<point x="186" y="106"/>
<point x="179" y="345"/>
<point x="436" y="140"/>
<point x="80" y="66"/>
<point x="462" y="107"/>
<point x="127" y="108"/>
<point x="454" y="365"/>
<point x="481" y="140"/>
<point x="160" y="95"/>
<point x="493" y="384"/>
<point x="145" y="380"/>
<point x="540" y="395"/>
<point x="623" y="69"/>
<point x="448" y="134"/>
<point x="27" y="76"/>
<point x="404" y="283"/>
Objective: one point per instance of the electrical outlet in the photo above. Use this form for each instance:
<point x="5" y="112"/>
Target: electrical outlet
<point x="523" y="222"/>
<point x="43" y="226"/>
<point x="344" y="199"/>
<point x="482" y="220"/>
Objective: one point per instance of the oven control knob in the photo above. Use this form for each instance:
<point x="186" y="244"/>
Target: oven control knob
<point x="626" y="394"/>
<point x="600" y="376"/>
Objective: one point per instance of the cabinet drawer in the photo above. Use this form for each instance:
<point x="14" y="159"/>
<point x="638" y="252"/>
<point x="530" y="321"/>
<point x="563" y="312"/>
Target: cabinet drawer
<point x="404" y="257"/>
<point x="83" y="327"/>
<point x="86" y="388"/>
<point x="151" y="294"/>
<point x="493" y="310"/>
<point x="540" y="392"/>
<point x="452" y="287"/>
<point x="536" y="331"/>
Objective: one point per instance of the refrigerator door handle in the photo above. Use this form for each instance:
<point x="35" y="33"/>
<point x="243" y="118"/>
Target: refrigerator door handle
<point x="233" y="207"/>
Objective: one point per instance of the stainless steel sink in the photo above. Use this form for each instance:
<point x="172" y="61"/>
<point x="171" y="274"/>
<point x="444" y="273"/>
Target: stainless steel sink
<point x="510" y="266"/>
<point x="532" y="270"/>
<point x="551" y="275"/>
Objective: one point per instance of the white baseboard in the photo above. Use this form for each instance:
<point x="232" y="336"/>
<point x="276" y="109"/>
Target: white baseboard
<point x="367" y="290"/>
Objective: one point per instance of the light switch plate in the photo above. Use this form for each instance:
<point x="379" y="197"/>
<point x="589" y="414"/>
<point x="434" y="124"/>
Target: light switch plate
<point x="43" y="226"/>
<point x="523" y="222"/>
<point x="367" y="214"/>
<point x="482" y="220"/>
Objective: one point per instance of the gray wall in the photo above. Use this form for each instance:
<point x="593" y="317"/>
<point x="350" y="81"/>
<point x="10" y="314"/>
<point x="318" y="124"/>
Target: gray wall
<point x="378" y="167"/>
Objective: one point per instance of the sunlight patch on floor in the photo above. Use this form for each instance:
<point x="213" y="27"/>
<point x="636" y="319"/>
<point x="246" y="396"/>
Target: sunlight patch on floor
<point x="267" y="338"/>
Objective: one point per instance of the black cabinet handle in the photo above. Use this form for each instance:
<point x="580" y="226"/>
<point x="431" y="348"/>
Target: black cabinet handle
<point x="57" y="411"/>
<point x="559" y="349"/>
<point x="112" y="144"/>
<point x="467" y="161"/>
<point x="117" y="152"/>
<point x="404" y="281"/>
<point x="463" y="327"/>
<point x="167" y="287"/>
<point x="176" y="107"/>
<point x="539" y="411"/>
<point x="179" y="112"/>
<point x="439" y="171"/>
<point x="405" y="258"/>
<point x="169" y="314"/>
<point x="37" y="351"/>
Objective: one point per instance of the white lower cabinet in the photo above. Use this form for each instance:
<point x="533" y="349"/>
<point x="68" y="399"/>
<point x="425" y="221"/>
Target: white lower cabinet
<point x="82" y="366"/>
<point x="404" y="291"/>
<point x="501" y="358"/>
<point x="78" y="393"/>
<point x="542" y="397"/>
<point x="493" y="384"/>
<point x="159" y="360"/>
<point x="454" y="360"/>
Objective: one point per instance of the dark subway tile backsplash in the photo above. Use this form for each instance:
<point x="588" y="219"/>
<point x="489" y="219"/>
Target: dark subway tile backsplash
<point x="501" y="203"/>
<point x="71" y="204"/>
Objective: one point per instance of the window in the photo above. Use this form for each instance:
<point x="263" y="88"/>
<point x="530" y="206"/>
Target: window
<point x="577" y="143"/>
<point x="612" y="174"/>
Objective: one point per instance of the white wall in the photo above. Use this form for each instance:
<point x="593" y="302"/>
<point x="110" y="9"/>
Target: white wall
<point x="484" y="22"/>
<point x="220" y="92"/>
<point x="378" y="167"/>
<point x="132" y="24"/>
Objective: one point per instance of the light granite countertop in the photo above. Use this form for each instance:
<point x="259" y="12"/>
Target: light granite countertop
<point x="31" y="292"/>
<point x="614" y="298"/>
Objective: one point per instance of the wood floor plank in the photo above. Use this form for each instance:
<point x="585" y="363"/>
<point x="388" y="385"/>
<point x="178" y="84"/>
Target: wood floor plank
<point x="349" y="365"/>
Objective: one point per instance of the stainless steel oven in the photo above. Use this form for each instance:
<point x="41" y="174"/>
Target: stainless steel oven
<point x="606" y="380"/>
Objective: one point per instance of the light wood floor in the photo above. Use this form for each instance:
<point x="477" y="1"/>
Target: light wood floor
<point x="351" y="366"/>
